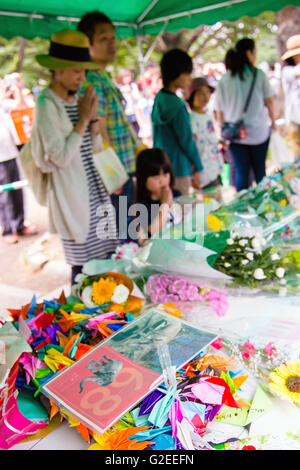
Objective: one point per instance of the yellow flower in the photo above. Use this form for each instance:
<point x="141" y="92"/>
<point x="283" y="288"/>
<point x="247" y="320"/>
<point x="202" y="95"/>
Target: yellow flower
<point x="213" y="222"/>
<point x="285" y="381"/>
<point x="103" y="290"/>
<point x="172" y="310"/>
<point x="283" y="202"/>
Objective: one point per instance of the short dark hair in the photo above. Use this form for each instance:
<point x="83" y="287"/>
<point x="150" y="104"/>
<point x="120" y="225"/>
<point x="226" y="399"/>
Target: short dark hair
<point x="89" y="21"/>
<point x="150" y="162"/>
<point x="174" y="63"/>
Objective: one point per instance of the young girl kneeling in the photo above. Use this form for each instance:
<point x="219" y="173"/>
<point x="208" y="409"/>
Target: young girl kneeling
<point x="155" y="182"/>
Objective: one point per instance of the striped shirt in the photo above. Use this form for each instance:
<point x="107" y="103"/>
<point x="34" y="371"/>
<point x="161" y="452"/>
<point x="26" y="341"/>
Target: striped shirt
<point x="109" y="101"/>
<point x="102" y="238"/>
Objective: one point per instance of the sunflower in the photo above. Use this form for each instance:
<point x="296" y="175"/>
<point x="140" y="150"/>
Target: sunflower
<point x="103" y="290"/>
<point x="285" y="381"/>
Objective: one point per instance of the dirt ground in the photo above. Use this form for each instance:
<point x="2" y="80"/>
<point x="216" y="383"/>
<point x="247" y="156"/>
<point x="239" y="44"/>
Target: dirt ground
<point x="34" y="265"/>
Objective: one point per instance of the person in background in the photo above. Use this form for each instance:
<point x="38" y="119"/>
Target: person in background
<point x="65" y="133"/>
<point x="115" y="127"/>
<point x="12" y="211"/>
<point x="232" y="91"/>
<point x="12" y="201"/>
<point x="171" y="125"/>
<point x="131" y="95"/>
<point x="290" y="76"/>
<point x="155" y="190"/>
<point x="205" y="136"/>
<point x="274" y="79"/>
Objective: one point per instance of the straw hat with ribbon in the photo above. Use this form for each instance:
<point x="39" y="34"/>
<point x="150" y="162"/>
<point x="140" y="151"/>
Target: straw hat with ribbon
<point x="68" y="49"/>
<point x="293" y="47"/>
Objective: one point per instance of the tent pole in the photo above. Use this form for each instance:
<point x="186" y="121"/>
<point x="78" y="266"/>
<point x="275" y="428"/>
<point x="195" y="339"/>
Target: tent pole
<point x="145" y="13"/>
<point x="223" y="4"/>
<point x="151" y="48"/>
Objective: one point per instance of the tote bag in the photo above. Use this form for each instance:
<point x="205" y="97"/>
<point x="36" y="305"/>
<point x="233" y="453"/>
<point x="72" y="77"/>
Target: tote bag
<point x="110" y="169"/>
<point x="39" y="182"/>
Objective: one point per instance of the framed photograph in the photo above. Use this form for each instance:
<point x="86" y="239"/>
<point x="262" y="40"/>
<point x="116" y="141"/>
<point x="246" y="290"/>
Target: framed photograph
<point x="118" y="373"/>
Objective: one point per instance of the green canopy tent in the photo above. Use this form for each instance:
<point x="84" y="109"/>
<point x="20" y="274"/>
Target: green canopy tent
<point x="132" y="18"/>
<point x="32" y="18"/>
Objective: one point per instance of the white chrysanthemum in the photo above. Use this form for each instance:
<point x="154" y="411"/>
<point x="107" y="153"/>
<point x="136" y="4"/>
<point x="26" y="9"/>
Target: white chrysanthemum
<point x="229" y="241"/>
<point x="280" y="272"/>
<point x="256" y="243"/>
<point x="244" y="261"/>
<point x="227" y="265"/>
<point x="243" y="242"/>
<point x="275" y="257"/>
<point x="250" y="256"/>
<point x="120" y="294"/>
<point x="86" y="297"/>
<point x="259" y="274"/>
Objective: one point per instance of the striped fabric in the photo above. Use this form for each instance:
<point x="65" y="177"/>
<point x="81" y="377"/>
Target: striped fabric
<point x="108" y="107"/>
<point x="95" y="246"/>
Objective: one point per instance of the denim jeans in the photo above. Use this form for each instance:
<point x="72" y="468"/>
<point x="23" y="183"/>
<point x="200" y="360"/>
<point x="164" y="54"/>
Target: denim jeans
<point x="246" y="157"/>
<point x="129" y="192"/>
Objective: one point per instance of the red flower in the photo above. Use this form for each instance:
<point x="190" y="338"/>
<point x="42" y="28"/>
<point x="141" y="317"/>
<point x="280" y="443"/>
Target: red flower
<point x="248" y="448"/>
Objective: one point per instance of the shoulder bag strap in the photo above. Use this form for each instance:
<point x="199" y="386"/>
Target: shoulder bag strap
<point x="250" y="92"/>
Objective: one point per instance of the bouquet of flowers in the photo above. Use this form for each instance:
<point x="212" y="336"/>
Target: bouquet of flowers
<point x="110" y="292"/>
<point x="249" y="263"/>
<point x="163" y="288"/>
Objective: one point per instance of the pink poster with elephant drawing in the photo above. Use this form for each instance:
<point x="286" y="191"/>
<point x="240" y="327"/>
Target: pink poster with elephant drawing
<point x="101" y="387"/>
<point x="118" y="373"/>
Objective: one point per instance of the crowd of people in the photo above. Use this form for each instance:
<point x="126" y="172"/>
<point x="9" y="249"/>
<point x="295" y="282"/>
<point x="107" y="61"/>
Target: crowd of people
<point x="171" y="132"/>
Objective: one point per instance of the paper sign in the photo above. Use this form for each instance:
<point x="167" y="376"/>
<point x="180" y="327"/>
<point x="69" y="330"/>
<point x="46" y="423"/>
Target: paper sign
<point x="114" y="376"/>
<point x="261" y="404"/>
<point x="242" y="416"/>
<point x="236" y="416"/>
<point x="101" y="387"/>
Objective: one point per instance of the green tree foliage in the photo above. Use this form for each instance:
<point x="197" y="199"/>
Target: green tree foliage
<point x="208" y="42"/>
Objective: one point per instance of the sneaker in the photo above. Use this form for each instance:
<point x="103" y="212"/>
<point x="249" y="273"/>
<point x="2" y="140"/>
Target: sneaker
<point x="29" y="230"/>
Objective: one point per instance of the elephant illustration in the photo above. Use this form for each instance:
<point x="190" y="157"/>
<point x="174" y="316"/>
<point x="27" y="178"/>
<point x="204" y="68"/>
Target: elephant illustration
<point x="104" y="371"/>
